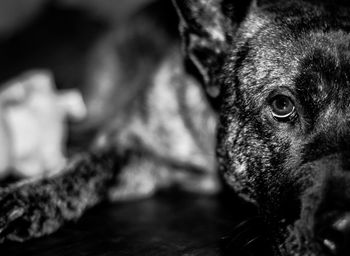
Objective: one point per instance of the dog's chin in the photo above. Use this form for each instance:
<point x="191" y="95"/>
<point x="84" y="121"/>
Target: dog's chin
<point x="299" y="238"/>
<point x="304" y="236"/>
<point x="298" y="241"/>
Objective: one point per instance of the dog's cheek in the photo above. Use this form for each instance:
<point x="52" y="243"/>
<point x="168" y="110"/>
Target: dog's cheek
<point x="252" y="160"/>
<point x="239" y="153"/>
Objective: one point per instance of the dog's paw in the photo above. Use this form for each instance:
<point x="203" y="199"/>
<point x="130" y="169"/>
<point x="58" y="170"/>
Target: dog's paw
<point x="13" y="208"/>
<point x="23" y="215"/>
<point x="16" y="216"/>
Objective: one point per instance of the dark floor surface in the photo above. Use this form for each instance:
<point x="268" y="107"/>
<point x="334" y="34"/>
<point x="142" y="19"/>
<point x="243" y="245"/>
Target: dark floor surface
<point x="168" y="224"/>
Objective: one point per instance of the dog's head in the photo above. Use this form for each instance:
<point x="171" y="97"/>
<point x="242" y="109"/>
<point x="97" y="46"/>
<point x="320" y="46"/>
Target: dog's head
<point x="280" y="71"/>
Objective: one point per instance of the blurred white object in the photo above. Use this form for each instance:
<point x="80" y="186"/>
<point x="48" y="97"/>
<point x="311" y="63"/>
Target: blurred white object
<point x="33" y="124"/>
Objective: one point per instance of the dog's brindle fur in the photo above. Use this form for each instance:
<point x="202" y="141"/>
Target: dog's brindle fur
<point x="163" y="131"/>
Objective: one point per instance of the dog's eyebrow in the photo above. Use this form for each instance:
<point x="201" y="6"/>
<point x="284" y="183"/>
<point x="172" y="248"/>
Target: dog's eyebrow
<point x="261" y="98"/>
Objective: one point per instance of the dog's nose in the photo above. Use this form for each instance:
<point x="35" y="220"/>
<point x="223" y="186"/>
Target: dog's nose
<point x="335" y="238"/>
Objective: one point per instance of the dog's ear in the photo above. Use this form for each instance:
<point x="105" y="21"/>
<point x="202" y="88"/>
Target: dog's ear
<point x="207" y="28"/>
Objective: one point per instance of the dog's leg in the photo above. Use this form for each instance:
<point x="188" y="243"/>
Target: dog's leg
<point x="139" y="178"/>
<point x="35" y="208"/>
<point x="39" y="207"/>
<point x="144" y="175"/>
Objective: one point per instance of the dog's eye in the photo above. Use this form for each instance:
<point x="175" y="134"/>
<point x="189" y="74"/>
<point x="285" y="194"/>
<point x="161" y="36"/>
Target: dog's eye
<point x="282" y="108"/>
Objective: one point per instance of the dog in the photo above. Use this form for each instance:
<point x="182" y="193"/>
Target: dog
<point x="274" y="101"/>
<point x="280" y="68"/>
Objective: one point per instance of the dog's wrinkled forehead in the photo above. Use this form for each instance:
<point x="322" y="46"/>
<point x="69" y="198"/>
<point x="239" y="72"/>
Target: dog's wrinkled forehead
<point x="292" y="46"/>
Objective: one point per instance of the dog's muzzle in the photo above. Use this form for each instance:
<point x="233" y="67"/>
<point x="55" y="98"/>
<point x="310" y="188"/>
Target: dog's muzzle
<point x="335" y="236"/>
<point x="325" y="214"/>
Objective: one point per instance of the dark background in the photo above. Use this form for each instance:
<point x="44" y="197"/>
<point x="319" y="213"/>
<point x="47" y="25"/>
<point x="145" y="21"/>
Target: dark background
<point x="58" y="35"/>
